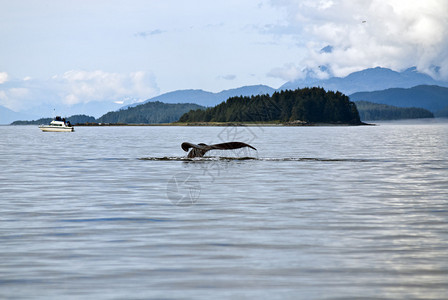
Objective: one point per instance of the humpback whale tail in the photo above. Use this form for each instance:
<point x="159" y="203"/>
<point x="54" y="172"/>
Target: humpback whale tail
<point x="199" y="150"/>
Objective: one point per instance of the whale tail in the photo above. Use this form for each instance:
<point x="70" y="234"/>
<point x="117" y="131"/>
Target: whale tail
<point x="199" y="150"/>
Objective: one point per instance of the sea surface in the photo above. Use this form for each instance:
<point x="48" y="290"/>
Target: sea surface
<point x="314" y="213"/>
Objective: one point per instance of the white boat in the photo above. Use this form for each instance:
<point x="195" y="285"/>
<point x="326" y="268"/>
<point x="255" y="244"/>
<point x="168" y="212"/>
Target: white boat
<point x="57" y="125"/>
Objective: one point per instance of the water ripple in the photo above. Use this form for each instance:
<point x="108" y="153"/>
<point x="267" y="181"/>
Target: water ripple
<point x="337" y="213"/>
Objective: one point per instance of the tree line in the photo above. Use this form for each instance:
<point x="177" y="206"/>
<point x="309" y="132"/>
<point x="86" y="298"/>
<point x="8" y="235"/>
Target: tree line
<point x="369" y="111"/>
<point x="149" y="113"/>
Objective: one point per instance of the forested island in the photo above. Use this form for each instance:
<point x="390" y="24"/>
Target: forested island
<point x="301" y="106"/>
<point x="369" y="111"/>
<point x="75" y="119"/>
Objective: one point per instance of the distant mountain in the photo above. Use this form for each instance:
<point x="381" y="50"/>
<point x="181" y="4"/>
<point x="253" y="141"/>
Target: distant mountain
<point x="369" y="111"/>
<point x="245" y="91"/>
<point x="368" y="80"/>
<point x="430" y="97"/>
<point x="7" y="116"/>
<point x="199" y="97"/>
<point x="149" y="113"/>
<point x="205" y="98"/>
<point x="94" y="108"/>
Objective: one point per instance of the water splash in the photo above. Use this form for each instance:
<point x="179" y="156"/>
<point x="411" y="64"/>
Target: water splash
<point x="221" y="158"/>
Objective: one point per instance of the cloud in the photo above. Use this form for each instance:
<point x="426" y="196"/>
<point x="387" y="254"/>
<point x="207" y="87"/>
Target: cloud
<point x="77" y="87"/>
<point x="396" y="34"/>
<point x="84" y="86"/>
<point x="3" y="77"/>
<point x="145" y="34"/>
<point x="287" y="72"/>
<point x="227" y="77"/>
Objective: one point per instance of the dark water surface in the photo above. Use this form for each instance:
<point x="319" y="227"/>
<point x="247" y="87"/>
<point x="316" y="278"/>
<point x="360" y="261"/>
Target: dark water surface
<point x="315" y="213"/>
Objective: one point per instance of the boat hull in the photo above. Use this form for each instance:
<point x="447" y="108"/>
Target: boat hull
<point x="56" y="129"/>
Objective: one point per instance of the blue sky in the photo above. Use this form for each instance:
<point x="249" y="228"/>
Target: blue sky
<point x="97" y="50"/>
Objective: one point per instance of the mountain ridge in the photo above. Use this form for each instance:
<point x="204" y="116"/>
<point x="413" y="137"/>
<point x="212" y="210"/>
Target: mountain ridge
<point x="205" y="98"/>
<point x="368" y="80"/>
<point x="7" y="115"/>
<point x="431" y="97"/>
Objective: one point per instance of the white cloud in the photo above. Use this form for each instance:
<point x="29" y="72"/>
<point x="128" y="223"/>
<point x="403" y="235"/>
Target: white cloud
<point x="3" y="77"/>
<point x="75" y="87"/>
<point x="396" y="34"/>
<point x="144" y="34"/>
<point x="287" y="72"/>
<point x="83" y="86"/>
<point x="227" y="77"/>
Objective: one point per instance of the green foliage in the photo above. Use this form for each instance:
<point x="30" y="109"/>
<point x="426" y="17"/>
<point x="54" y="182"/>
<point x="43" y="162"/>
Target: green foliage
<point x="34" y="122"/>
<point x="369" y="111"/>
<point x="313" y="105"/>
<point x="149" y="113"/>
<point x="75" y="119"/>
<point x="78" y="119"/>
<point x="443" y="113"/>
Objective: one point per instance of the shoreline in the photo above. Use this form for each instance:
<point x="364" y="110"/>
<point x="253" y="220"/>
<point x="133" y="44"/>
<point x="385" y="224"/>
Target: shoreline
<point x="223" y="124"/>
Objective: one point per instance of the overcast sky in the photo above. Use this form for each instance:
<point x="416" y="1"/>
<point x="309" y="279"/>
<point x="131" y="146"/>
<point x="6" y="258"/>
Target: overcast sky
<point x="109" y="50"/>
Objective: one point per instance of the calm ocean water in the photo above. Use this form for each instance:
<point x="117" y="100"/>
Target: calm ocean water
<point x="316" y="213"/>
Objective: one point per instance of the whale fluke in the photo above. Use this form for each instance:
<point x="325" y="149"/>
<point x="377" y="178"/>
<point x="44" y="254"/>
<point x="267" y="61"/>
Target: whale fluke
<point x="199" y="150"/>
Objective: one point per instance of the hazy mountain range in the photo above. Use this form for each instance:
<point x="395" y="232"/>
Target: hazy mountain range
<point x="8" y="116"/>
<point x="205" y="98"/>
<point x="431" y="97"/>
<point x="378" y="80"/>
<point x="368" y="80"/>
